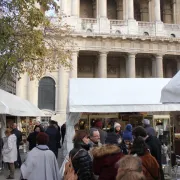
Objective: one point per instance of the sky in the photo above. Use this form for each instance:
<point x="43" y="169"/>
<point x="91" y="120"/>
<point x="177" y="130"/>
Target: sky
<point x="52" y="12"/>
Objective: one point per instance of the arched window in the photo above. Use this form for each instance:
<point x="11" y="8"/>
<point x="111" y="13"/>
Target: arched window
<point x="46" y="94"/>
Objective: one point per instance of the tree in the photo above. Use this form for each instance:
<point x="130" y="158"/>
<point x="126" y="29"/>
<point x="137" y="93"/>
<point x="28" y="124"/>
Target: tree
<point x="29" y="41"/>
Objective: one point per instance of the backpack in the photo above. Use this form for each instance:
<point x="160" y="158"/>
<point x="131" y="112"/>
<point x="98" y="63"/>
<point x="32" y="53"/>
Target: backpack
<point x="69" y="173"/>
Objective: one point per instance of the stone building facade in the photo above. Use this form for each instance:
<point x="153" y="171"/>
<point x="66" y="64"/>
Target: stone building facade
<point x="114" y="39"/>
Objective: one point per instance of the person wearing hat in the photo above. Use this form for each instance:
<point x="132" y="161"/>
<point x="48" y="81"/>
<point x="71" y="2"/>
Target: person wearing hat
<point x="117" y="128"/>
<point x="114" y="135"/>
<point x="149" y="129"/>
<point x="127" y="139"/>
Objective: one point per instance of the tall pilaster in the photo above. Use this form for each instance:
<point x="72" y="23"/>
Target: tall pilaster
<point x="131" y="65"/>
<point x="159" y="66"/>
<point x="157" y="10"/>
<point x="74" y="62"/>
<point x="75" y="8"/>
<point x="131" y="9"/>
<point x="102" y="65"/>
<point x="176" y="11"/>
<point x="61" y="104"/>
<point x="102" y="5"/>
<point x="66" y="7"/>
<point x="22" y="86"/>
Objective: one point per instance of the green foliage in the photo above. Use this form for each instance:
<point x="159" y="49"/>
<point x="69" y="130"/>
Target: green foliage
<point x="29" y="41"/>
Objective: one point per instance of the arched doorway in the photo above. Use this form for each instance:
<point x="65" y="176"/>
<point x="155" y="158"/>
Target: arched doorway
<point x="46" y="93"/>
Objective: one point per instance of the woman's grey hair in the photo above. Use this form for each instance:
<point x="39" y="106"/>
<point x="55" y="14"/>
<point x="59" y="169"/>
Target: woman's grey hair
<point x="91" y="132"/>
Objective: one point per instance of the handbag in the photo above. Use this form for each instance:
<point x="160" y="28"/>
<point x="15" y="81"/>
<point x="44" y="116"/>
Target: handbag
<point x="69" y="173"/>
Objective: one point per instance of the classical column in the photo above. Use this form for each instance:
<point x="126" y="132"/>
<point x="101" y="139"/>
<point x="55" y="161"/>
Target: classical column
<point x="75" y="7"/>
<point x="131" y="9"/>
<point x="102" y="65"/>
<point x="178" y="63"/>
<point x="125" y="10"/>
<point x="131" y="65"/>
<point x="74" y="62"/>
<point x="159" y="66"/>
<point x="102" y="5"/>
<point x="157" y="10"/>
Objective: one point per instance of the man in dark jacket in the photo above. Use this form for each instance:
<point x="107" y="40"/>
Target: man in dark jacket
<point x="63" y="131"/>
<point x="112" y="137"/>
<point x="54" y="137"/>
<point x="149" y="129"/>
<point x="19" y="140"/>
<point x="153" y="143"/>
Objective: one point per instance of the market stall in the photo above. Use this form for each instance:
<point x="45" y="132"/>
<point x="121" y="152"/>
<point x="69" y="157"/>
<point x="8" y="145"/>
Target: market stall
<point x="12" y="107"/>
<point x="112" y="96"/>
<point x="16" y="106"/>
<point x="171" y="94"/>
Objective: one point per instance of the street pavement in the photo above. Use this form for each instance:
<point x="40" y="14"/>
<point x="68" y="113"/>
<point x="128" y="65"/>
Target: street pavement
<point x="4" y="174"/>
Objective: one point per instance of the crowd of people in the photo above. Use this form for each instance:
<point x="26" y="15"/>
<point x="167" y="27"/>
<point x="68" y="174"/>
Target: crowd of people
<point x="43" y="145"/>
<point x="132" y="154"/>
<point x="119" y="154"/>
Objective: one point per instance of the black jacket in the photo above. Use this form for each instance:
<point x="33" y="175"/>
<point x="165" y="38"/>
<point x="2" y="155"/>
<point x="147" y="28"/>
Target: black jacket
<point x="112" y="138"/>
<point x="32" y="140"/>
<point x="63" y="132"/>
<point x="54" y="139"/>
<point x="123" y="148"/>
<point x="18" y="136"/>
<point x="154" y="146"/>
<point x="82" y="163"/>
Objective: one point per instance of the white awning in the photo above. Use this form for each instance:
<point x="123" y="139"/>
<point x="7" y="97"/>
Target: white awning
<point x="118" y="95"/>
<point x="14" y="105"/>
<point x="171" y="91"/>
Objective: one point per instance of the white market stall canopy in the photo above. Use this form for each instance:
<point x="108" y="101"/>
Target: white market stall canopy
<point x="171" y="92"/>
<point x="14" y="105"/>
<point x="118" y="95"/>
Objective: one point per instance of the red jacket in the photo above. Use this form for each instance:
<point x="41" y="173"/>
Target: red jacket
<point x="150" y="167"/>
<point x="104" y="162"/>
